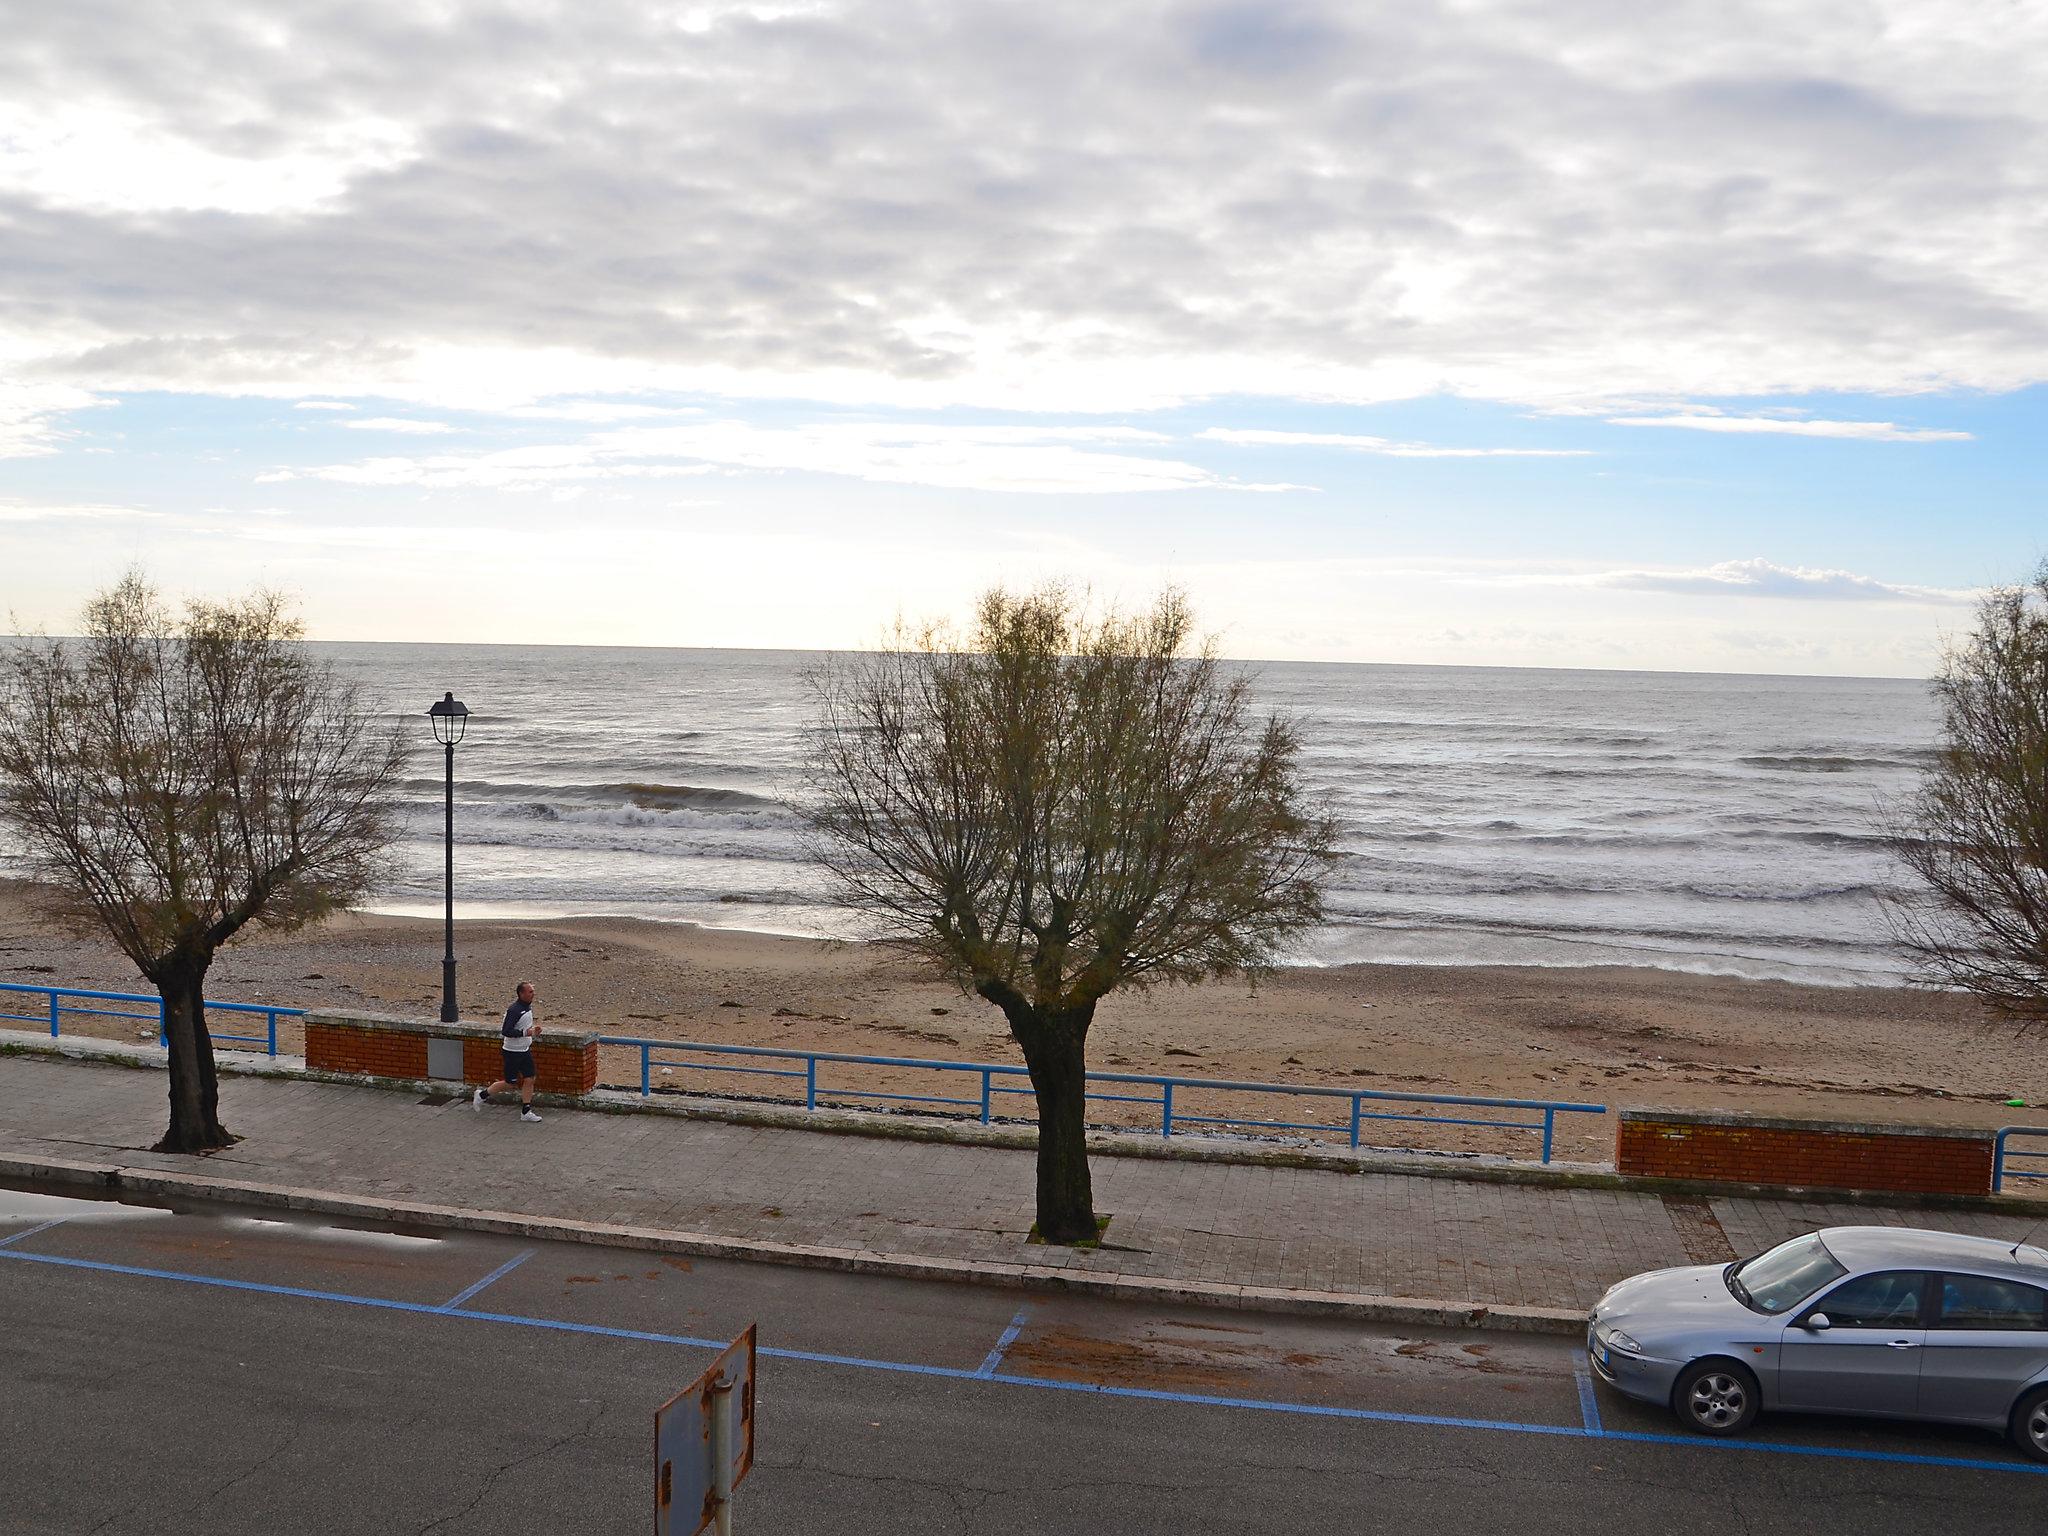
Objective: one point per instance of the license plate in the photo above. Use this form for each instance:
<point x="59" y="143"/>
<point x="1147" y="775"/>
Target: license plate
<point x="1606" y="1359"/>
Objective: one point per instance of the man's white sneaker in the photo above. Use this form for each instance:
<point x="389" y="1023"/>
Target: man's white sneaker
<point x="476" y="1101"/>
<point x="529" y="1117"/>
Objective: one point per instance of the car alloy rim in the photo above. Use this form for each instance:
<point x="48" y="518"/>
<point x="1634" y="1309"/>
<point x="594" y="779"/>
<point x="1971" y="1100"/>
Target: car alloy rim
<point x="2037" y="1425"/>
<point x="1718" y="1400"/>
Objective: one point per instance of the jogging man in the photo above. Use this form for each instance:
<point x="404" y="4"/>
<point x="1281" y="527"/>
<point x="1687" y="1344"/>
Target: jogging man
<point x="516" y="1044"/>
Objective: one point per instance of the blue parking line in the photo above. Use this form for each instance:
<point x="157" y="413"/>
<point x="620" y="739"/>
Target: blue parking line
<point x="1589" y="1401"/>
<point x="495" y="1275"/>
<point x="41" y="1226"/>
<point x="995" y="1356"/>
<point x="956" y="1373"/>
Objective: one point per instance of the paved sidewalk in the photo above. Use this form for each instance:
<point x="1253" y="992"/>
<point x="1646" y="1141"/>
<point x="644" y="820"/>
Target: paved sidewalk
<point x="1464" y="1242"/>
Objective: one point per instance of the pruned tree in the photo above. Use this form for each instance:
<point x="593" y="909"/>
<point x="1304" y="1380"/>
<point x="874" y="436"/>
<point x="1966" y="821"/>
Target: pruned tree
<point x="1057" y="808"/>
<point x="1977" y="831"/>
<point x="177" y="778"/>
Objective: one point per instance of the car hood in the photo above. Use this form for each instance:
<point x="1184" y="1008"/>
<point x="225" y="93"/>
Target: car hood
<point x="1667" y="1299"/>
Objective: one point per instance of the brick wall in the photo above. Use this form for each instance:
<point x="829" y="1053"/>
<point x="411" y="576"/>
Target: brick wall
<point x="381" y="1045"/>
<point x="337" y="1047"/>
<point x="1804" y="1154"/>
<point x="562" y="1068"/>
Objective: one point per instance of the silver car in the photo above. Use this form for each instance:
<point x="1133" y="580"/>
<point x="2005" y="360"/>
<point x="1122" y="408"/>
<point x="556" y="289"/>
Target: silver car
<point x="1886" y="1321"/>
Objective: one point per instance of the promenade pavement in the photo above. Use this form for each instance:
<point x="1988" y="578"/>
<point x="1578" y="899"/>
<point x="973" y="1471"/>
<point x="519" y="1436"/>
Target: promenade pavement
<point x="1461" y="1241"/>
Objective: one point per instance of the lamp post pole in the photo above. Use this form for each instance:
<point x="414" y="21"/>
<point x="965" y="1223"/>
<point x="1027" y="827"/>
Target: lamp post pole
<point x="449" y="716"/>
<point x="450" y="1012"/>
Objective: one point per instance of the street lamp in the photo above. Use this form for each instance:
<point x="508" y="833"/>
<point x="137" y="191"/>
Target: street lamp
<point x="450" y="715"/>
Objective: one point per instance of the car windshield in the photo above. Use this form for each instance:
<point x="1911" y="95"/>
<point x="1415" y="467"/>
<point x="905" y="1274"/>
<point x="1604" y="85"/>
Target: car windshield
<point x="1785" y="1276"/>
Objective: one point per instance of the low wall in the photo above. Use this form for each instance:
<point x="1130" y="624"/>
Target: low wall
<point x="1803" y="1154"/>
<point x="387" y="1045"/>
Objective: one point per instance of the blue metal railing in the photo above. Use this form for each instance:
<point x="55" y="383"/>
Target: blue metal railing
<point x="985" y="1081"/>
<point x="2001" y="1156"/>
<point x="57" y="1004"/>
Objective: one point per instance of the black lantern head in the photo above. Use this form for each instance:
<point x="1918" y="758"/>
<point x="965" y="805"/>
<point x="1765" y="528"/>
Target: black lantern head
<point x="449" y="716"/>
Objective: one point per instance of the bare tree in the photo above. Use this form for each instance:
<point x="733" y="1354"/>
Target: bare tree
<point x="1977" y="831"/>
<point x="1060" y="807"/>
<point x="179" y="777"/>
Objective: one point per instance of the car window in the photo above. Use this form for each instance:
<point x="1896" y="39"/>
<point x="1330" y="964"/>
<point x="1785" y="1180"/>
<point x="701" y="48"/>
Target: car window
<point x="1779" y="1280"/>
<point x="1974" y="1301"/>
<point x="1887" y="1299"/>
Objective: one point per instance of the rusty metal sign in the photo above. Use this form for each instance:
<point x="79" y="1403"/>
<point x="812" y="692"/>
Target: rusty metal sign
<point x="704" y="1444"/>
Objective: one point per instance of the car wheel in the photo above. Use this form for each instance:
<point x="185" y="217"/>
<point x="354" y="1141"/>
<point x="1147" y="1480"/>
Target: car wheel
<point x="2030" y="1424"/>
<point x="1715" y="1397"/>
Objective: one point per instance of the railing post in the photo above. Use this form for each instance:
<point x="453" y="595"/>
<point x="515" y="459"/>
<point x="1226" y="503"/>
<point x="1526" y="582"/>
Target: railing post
<point x="54" y="1026"/>
<point x="270" y="1019"/>
<point x="810" y="1082"/>
<point x="163" y="1024"/>
<point x="1357" y="1104"/>
<point x="1166" y="1110"/>
<point x="1998" y="1163"/>
<point x="646" y="1081"/>
<point x="987" y="1088"/>
<point x="1549" y="1124"/>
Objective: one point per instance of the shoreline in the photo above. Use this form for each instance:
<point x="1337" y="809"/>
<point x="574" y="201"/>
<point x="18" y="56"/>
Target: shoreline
<point x="1712" y="964"/>
<point x="1619" y="1035"/>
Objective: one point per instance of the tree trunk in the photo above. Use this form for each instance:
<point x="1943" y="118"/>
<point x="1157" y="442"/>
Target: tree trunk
<point x="1056" y="1050"/>
<point x="195" y="1089"/>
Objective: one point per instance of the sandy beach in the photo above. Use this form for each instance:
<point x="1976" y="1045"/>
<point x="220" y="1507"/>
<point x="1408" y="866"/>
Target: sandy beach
<point x="1618" y="1036"/>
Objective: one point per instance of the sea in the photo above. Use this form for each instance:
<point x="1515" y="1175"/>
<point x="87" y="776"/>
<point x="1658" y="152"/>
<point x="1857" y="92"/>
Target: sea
<point x="1708" y="823"/>
<point x="1722" y="824"/>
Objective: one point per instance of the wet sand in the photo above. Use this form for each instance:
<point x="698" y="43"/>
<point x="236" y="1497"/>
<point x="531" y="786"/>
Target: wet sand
<point x="1626" y="1037"/>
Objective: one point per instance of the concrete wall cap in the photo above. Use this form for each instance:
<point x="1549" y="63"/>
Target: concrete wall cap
<point x="1684" y="1117"/>
<point x="401" y="1024"/>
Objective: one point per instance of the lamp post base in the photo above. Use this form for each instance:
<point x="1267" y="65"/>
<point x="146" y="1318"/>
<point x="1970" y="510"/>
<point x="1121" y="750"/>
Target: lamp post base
<point x="450" y="1013"/>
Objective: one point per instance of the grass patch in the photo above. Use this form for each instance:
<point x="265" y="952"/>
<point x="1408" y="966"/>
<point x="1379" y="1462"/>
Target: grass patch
<point x="1101" y="1226"/>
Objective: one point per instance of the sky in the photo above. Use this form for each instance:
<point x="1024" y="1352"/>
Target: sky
<point x="1702" y="336"/>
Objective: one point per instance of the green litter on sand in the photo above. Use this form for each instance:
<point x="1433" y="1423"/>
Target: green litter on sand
<point x="2015" y="1103"/>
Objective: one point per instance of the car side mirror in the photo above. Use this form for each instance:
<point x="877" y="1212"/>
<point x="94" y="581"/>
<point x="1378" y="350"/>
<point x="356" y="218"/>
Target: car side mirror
<point x="1817" y="1323"/>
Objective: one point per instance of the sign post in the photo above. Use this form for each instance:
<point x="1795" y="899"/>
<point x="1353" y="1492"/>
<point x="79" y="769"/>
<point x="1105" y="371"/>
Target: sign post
<point x="704" y="1445"/>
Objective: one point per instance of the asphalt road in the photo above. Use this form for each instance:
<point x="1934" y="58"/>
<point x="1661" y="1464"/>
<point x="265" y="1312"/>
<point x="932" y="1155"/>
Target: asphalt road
<point x="213" y="1371"/>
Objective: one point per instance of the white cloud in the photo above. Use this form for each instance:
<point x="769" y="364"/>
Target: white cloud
<point x="1864" y="431"/>
<point x="29" y="416"/>
<point x="934" y="205"/>
<point x="602" y="411"/>
<point x="1384" y="446"/>
<point x="124" y="159"/>
<point x="508" y="469"/>
<point x="57" y="512"/>
<point x="1755" y="578"/>
<point x="400" y="424"/>
<point x="322" y="405"/>
<point x="1028" y="460"/>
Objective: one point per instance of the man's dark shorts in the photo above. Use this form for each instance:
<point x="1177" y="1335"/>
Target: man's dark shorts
<point x="518" y="1064"/>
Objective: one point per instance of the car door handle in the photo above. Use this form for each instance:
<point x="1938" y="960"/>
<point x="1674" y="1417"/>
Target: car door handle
<point x="1902" y="1344"/>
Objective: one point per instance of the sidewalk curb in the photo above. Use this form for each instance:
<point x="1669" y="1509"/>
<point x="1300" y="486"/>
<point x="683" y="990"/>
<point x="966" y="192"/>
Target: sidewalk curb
<point x="1412" y="1311"/>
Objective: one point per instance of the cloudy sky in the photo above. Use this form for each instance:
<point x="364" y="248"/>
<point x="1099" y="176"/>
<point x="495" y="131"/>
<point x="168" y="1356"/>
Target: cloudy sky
<point x="1702" y="335"/>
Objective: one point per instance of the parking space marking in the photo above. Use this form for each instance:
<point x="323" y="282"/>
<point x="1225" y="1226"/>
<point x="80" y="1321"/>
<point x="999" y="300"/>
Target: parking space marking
<point x="1043" y="1384"/>
<point x="41" y="1226"/>
<point x="1589" y="1401"/>
<point x="495" y="1275"/>
<point x="995" y="1356"/>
